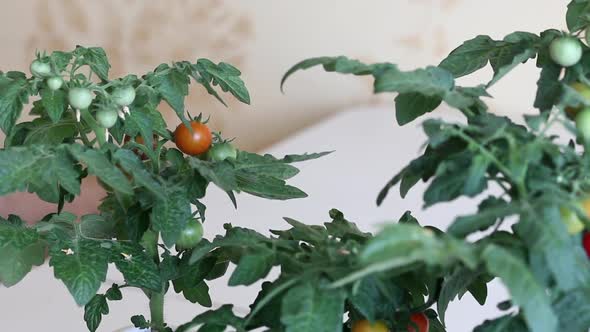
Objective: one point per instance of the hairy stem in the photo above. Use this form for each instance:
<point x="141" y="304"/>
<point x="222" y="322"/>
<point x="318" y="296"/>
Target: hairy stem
<point x="157" y="311"/>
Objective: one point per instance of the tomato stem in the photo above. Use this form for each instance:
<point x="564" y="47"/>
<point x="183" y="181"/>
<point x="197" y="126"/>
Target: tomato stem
<point x="91" y="122"/>
<point x="157" y="311"/>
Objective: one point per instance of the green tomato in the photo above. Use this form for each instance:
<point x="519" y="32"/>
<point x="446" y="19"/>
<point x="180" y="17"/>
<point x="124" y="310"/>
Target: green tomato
<point x="80" y="98"/>
<point x="222" y="151"/>
<point x="124" y="96"/>
<point x="583" y="123"/>
<point x="54" y="83"/>
<point x="571" y="220"/>
<point x="40" y="69"/>
<point x="190" y="236"/>
<point x="565" y="51"/>
<point x="107" y="117"/>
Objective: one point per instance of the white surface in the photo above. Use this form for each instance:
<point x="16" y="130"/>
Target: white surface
<point x="370" y="149"/>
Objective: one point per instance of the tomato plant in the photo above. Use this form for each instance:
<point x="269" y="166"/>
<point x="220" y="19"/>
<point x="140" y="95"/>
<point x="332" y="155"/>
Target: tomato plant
<point x="524" y="174"/>
<point x="193" y="143"/>
<point x="366" y="326"/>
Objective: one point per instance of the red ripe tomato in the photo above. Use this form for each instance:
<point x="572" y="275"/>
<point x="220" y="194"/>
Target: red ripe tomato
<point x="586" y="243"/>
<point x="195" y="143"/>
<point x="365" y="326"/>
<point x="421" y="321"/>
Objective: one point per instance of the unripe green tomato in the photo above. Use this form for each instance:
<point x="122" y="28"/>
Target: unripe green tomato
<point x="190" y="236"/>
<point x="222" y="151"/>
<point x="54" y="83"/>
<point x="583" y="123"/>
<point x="565" y="51"/>
<point x="124" y="96"/>
<point x="106" y="117"/>
<point x="80" y="98"/>
<point x="40" y="69"/>
<point x="571" y="220"/>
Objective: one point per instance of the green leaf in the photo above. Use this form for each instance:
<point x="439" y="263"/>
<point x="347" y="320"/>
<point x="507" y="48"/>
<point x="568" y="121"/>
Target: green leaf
<point x="523" y="288"/>
<point x="453" y="285"/>
<point x="96" y="59"/>
<point x="20" y="250"/>
<point x="198" y="294"/>
<point x="431" y="81"/>
<point x="222" y="173"/>
<point x="114" y="293"/>
<point x="548" y="87"/>
<point x="401" y="244"/>
<point x="140" y="322"/>
<point x="260" y="185"/>
<point x="504" y="323"/>
<point x="544" y="232"/>
<point x="338" y="64"/>
<point x="224" y="75"/>
<point x="97" y="226"/>
<point x="54" y="102"/>
<point x="94" y="310"/>
<point x="41" y="169"/>
<point x="490" y="211"/>
<point x="170" y="216"/>
<point x="577" y="16"/>
<point x="508" y="57"/>
<point x="81" y="265"/>
<point x="60" y="60"/>
<point x="376" y="299"/>
<point x="13" y="95"/>
<point x="573" y="310"/>
<point x="267" y="165"/>
<point x="141" y="176"/>
<point x="99" y="165"/>
<point x="471" y="56"/>
<point x="138" y="122"/>
<point x="138" y="269"/>
<point x="252" y="267"/>
<point x="307" y="307"/>
<point x="43" y="131"/>
<point x="223" y="317"/>
<point x="172" y="84"/>
<point x="409" y="106"/>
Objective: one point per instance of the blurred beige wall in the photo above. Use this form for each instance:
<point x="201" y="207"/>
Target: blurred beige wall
<point x="264" y="38"/>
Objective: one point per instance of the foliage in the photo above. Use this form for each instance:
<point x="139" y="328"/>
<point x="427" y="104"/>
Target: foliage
<point x="314" y="275"/>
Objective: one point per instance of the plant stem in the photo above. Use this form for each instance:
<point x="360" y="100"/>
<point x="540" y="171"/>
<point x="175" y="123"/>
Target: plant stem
<point x="157" y="311"/>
